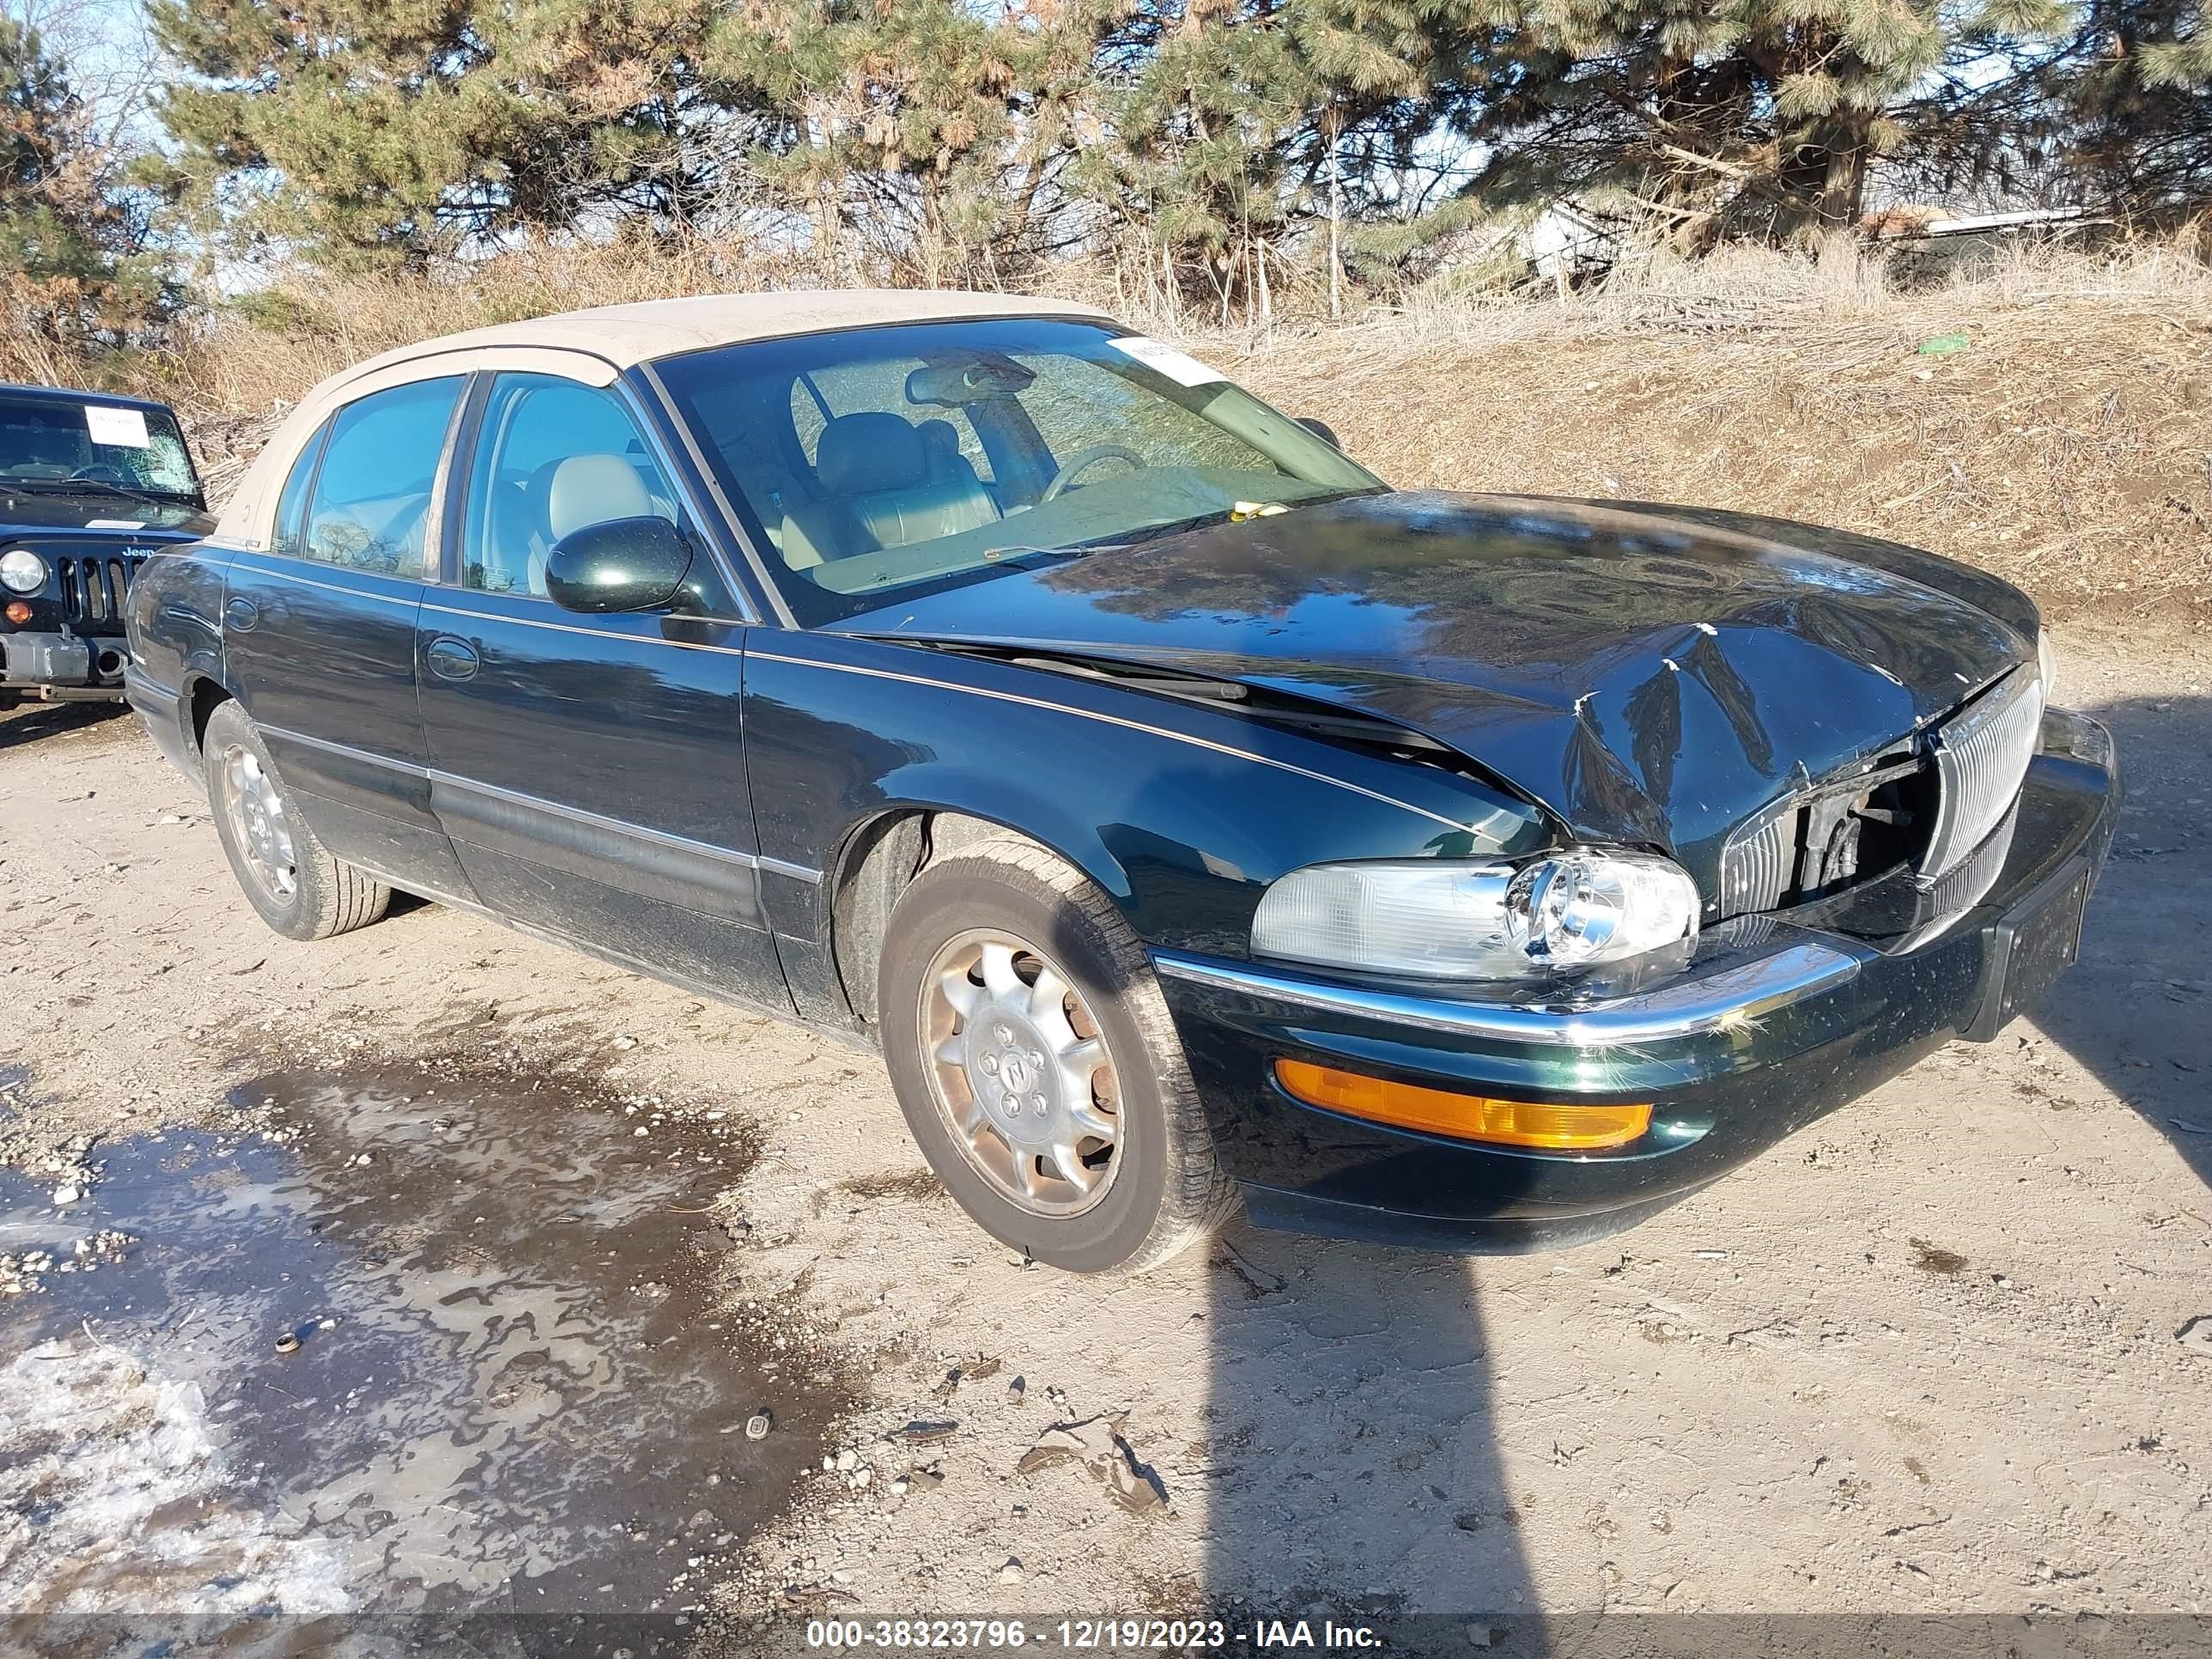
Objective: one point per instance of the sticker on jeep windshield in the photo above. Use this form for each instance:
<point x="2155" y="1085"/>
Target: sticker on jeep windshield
<point x="125" y="428"/>
<point x="1178" y="365"/>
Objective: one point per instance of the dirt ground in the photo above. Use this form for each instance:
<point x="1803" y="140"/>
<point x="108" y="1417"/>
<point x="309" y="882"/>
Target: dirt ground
<point x="1924" y="1357"/>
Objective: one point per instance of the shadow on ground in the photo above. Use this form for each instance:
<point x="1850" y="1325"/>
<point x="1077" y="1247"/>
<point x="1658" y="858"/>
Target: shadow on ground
<point x="33" y="722"/>
<point x="2136" y="1009"/>
<point x="1383" y="1406"/>
<point x="1386" y="1405"/>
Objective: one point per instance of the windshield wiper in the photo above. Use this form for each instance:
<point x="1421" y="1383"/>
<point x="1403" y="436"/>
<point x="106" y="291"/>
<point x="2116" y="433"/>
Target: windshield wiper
<point x="1151" y="532"/>
<point x="93" y="487"/>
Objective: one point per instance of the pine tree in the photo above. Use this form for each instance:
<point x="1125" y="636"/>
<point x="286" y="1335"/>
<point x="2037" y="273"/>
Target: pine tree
<point x="2134" y="101"/>
<point x="70" y="236"/>
<point x="933" y="139"/>
<point x="364" y="131"/>
<point x="1772" y="109"/>
<point x="1237" y="123"/>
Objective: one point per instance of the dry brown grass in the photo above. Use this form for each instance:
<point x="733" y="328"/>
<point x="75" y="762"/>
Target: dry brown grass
<point x="2069" y="448"/>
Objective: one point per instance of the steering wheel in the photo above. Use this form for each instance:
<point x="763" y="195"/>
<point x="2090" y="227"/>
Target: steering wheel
<point x="1081" y="461"/>
<point x="98" y="474"/>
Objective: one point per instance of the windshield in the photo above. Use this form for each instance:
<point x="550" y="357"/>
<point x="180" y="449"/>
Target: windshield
<point x="52" y="443"/>
<point x="906" y="459"/>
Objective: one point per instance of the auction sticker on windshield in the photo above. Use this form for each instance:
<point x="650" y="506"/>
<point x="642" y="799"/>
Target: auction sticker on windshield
<point x="1178" y="365"/>
<point x="124" y="428"/>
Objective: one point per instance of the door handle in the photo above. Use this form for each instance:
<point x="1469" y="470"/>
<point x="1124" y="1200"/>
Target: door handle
<point x="242" y="614"/>
<point x="451" y="658"/>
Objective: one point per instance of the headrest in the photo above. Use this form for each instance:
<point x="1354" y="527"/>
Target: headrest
<point x="858" y="454"/>
<point x="940" y="443"/>
<point x="592" y="488"/>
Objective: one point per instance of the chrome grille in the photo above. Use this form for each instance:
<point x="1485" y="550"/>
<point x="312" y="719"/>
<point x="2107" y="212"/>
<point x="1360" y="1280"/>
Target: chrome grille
<point x="1981" y="759"/>
<point x="1759" y="859"/>
<point x="93" y="589"/>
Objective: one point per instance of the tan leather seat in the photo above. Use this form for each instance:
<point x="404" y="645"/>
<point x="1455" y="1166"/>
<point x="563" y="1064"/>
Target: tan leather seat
<point x="579" y="491"/>
<point x="879" y="471"/>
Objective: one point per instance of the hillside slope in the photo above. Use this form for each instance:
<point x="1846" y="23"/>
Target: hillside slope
<point x="2059" y="435"/>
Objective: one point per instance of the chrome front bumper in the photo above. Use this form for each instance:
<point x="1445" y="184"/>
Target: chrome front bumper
<point x="1734" y="982"/>
<point x="1764" y="1027"/>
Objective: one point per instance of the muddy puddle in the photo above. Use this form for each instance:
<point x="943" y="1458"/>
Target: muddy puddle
<point x="411" y="1343"/>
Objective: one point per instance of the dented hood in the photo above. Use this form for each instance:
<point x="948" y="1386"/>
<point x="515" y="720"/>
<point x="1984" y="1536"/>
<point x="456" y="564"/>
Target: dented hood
<point x="1647" y="678"/>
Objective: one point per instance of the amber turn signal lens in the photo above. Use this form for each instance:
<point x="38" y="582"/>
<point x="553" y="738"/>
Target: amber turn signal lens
<point x="1469" y="1118"/>
<point x="18" y="613"/>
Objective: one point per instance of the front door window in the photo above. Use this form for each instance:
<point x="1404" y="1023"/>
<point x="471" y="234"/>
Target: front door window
<point x="554" y="457"/>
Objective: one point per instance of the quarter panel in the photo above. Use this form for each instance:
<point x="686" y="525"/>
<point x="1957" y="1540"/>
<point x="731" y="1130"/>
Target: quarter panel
<point x="173" y="619"/>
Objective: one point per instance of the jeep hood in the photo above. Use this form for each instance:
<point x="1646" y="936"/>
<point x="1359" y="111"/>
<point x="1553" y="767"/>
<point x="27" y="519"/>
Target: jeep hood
<point x="1647" y="678"/>
<point x="36" y="512"/>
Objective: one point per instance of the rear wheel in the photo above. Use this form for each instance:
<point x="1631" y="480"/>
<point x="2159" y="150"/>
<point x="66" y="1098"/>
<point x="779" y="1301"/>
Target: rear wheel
<point x="286" y="872"/>
<point x="1036" y="1065"/>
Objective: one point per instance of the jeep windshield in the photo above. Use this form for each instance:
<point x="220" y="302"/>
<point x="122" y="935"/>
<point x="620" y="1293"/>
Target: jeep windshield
<point x="917" y="458"/>
<point x="60" y="446"/>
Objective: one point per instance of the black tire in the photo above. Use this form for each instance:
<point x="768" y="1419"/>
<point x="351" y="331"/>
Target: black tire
<point x="1170" y="1190"/>
<point x="328" y="896"/>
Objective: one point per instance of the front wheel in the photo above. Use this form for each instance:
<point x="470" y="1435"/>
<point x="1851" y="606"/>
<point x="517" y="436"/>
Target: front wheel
<point x="1036" y="1065"/>
<point x="286" y="872"/>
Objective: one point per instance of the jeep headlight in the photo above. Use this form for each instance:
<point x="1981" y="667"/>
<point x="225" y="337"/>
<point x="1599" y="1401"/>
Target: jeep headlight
<point x="1449" y="918"/>
<point x="22" y="571"/>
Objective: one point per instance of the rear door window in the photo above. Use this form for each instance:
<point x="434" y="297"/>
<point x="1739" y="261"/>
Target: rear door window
<point x="292" y="505"/>
<point x="371" y="494"/>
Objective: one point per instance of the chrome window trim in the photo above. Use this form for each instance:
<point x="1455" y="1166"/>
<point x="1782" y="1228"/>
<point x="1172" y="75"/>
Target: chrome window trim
<point x="579" y="628"/>
<point x="433" y="512"/>
<point x="1127" y="724"/>
<point x="330" y="588"/>
<point x="1687" y="1008"/>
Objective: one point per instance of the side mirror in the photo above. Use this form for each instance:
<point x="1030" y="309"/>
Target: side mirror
<point x="1321" y="429"/>
<point x="620" y="564"/>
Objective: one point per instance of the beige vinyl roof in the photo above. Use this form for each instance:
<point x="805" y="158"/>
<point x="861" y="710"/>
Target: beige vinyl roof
<point x="626" y="335"/>
<point x="593" y="345"/>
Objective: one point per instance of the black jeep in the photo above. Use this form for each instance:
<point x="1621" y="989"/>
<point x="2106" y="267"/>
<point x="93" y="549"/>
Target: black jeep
<point x="90" y="486"/>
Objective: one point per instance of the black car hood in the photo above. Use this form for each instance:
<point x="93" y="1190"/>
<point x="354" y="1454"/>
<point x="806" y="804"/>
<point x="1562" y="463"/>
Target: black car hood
<point x="28" y="513"/>
<point x="1647" y="679"/>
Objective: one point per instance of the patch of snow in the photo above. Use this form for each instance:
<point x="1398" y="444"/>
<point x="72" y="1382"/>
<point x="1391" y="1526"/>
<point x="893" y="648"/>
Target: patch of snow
<point x="115" y="1498"/>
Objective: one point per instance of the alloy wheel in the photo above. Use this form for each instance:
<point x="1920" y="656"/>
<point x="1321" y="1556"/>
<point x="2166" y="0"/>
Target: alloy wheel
<point x="1021" y="1072"/>
<point x="256" y="809"/>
